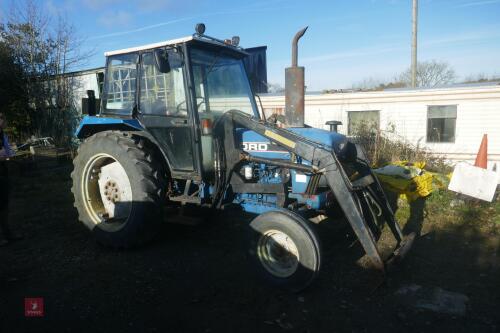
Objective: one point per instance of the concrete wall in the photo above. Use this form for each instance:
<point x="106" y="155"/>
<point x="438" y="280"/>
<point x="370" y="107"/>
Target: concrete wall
<point x="478" y="113"/>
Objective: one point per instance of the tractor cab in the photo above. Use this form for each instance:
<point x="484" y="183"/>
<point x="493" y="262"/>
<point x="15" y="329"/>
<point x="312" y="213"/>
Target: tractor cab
<point x="177" y="90"/>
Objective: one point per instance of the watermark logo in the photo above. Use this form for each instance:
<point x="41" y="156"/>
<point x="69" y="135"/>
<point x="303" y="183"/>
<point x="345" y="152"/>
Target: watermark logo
<point x="33" y="307"/>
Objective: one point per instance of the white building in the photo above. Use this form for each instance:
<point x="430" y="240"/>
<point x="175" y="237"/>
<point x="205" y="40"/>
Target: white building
<point x="81" y="81"/>
<point x="450" y="122"/>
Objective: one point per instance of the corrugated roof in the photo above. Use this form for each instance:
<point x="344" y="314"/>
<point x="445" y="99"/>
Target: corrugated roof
<point x="450" y="86"/>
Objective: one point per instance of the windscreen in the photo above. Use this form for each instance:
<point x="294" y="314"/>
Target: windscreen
<point x="221" y="83"/>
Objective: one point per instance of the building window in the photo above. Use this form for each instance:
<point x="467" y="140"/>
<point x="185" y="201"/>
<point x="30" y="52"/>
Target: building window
<point x="363" y="120"/>
<point x="441" y="122"/>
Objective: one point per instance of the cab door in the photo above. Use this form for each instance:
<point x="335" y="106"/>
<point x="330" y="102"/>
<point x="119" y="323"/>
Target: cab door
<point x="163" y="108"/>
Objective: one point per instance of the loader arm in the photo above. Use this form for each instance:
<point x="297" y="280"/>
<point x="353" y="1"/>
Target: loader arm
<point x="323" y="161"/>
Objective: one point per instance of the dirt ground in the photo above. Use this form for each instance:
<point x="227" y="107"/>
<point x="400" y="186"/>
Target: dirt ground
<point x="199" y="279"/>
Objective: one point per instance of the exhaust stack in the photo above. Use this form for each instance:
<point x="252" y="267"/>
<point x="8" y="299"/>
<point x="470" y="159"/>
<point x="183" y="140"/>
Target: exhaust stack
<point x="294" y="87"/>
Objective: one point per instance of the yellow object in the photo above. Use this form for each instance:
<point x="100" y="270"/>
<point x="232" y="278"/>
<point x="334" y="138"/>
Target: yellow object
<point x="409" y="179"/>
<point x="280" y="139"/>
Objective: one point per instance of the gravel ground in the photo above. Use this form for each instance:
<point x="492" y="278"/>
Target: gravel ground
<point x="199" y="279"/>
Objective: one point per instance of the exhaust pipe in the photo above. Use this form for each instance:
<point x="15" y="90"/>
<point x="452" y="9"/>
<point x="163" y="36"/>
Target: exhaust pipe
<point x="294" y="87"/>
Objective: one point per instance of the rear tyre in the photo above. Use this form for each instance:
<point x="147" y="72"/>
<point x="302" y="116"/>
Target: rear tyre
<point x="118" y="186"/>
<point x="285" y="249"/>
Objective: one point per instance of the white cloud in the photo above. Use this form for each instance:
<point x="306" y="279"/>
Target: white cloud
<point x="344" y="55"/>
<point x="141" y="5"/>
<point x="99" y="4"/>
<point x="119" y="18"/>
<point x="340" y="69"/>
<point x="491" y="32"/>
<point x="183" y="19"/>
<point x="150" y="5"/>
<point x="60" y="8"/>
<point x="126" y="32"/>
<point x="477" y="3"/>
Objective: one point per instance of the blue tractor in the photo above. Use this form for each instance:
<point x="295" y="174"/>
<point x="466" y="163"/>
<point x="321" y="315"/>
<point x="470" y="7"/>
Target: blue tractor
<point x="179" y="130"/>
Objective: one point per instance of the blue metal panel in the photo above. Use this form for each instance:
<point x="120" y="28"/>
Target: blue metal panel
<point x="331" y="139"/>
<point x="250" y="136"/>
<point x="103" y="122"/>
<point x="255" y="202"/>
<point x="315" y="201"/>
<point x="257" y="209"/>
<point x="259" y="146"/>
<point x="327" y="138"/>
<point x="299" y="181"/>
<point x="261" y="203"/>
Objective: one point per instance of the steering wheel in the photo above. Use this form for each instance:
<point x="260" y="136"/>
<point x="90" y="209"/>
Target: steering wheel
<point x="179" y="109"/>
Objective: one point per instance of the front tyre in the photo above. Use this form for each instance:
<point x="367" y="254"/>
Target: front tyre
<point x="285" y="249"/>
<point x="118" y="185"/>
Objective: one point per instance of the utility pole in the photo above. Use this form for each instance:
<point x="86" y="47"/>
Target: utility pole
<point x="414" y="45"/>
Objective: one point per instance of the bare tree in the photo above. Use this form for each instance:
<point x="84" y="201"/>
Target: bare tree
<point x="47" y="51"/>
<point x="481" y="78"/>
<point x="13" y="95"/>
<point x="371" y="84"/>
<point x="430" y="74"/>
<point x="275" y="88"/>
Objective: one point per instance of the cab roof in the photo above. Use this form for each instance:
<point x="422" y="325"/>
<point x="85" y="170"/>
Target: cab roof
<point x="195" y="37"/>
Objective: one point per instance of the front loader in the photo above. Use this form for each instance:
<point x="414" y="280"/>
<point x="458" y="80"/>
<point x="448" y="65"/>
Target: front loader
<point x="179" y="128"/>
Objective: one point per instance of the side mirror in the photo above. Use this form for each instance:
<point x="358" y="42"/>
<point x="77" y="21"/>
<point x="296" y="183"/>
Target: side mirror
<point x="161" y="59"/>
<point x="168" y="59"/>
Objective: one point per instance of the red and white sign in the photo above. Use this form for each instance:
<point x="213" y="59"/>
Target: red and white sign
<point x="33" y="307"/>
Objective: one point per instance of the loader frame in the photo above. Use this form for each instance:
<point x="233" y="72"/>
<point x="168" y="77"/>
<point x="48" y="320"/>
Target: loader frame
<point x="324" y="161"/>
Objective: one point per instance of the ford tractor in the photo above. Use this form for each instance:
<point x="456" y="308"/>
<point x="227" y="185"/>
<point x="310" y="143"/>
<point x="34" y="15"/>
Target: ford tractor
<point x="179" y="130"/>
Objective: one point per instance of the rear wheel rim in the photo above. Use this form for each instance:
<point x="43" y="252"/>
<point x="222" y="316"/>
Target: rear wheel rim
<point x="278" y="253"/>
<point x="103" y="198"/>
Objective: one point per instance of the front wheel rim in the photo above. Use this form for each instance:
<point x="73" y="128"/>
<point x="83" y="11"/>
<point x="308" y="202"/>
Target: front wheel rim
<point x="278" y="253"/>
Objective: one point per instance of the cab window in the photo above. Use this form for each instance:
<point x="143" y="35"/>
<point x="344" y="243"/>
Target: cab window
<point x="163" y="94"/>
<point x="120" y="83"/>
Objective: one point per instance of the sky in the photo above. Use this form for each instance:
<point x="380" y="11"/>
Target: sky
<point x="347" y="41"/>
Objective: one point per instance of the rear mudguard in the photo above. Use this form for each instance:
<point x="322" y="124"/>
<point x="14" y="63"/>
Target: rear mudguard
<point x="91" y="125"/>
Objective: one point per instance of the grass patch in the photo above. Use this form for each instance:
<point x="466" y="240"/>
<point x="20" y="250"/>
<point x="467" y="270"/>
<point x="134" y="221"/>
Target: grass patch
<point x="444" y="207"/>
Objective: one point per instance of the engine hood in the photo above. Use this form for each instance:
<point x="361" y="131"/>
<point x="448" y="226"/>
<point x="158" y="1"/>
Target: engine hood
<point x="259" y="145"/>
<point x="331" y="139"/>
